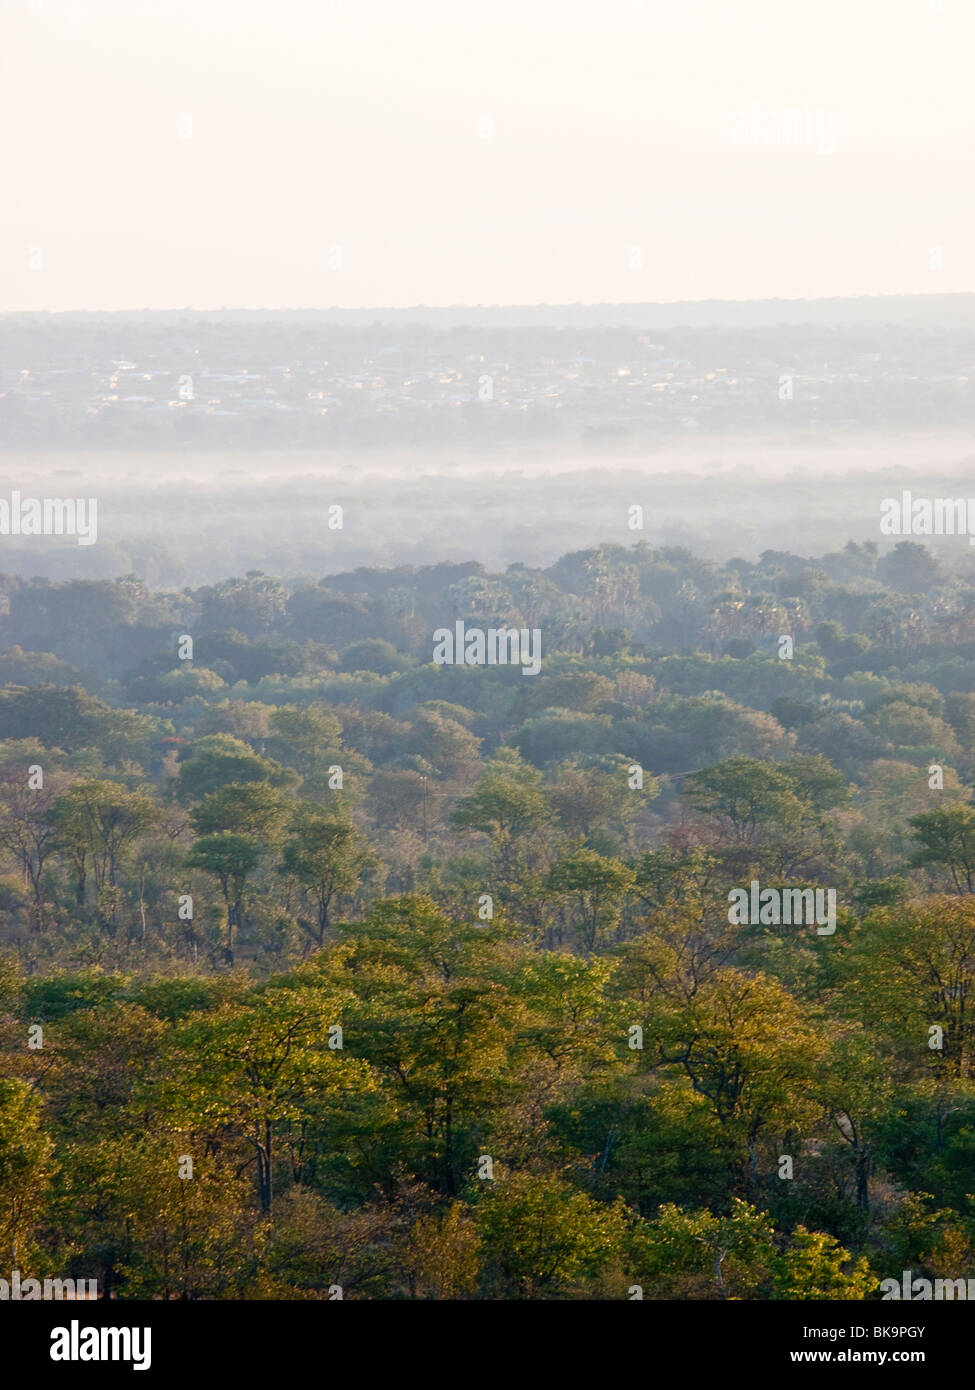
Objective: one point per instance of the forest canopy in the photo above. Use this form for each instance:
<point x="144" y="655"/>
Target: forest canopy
<point x="323" y="966"/>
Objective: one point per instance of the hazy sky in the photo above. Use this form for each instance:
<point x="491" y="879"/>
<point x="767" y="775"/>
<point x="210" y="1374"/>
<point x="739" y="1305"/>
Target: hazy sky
<point x="207" y="153"/>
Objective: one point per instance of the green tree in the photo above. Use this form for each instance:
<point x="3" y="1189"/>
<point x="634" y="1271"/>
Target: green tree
<point x="507" y="800"/>
<point x="231" y="858"/>
<point x="329" y="858"/>
<point x="596" y="887"/>
<point x="26" y="1168"/>
<point x="815" y="1266"/>
<point x="746" y="1045"/>
<point x="911" y="967"/>
<point x="695" y="1254"/>
<point x="262" y="1071"/>
<point x="219" y="759"/>
<point x="98" y="823"/>
<point x="252" y="808"/>
<point x="910" y="568"/>
<point x="947" y="837"/>
<point x="306" y="737"/>
<point x="546" y="1239"/>
<point x="589" y="799"/>
<point x="437" y="1018"/>
<point x="28" y="831"/>
<point x="744" y="795"/>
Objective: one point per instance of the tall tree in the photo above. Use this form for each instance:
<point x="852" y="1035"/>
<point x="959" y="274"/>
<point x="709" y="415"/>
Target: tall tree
<point x="329" y="858"/>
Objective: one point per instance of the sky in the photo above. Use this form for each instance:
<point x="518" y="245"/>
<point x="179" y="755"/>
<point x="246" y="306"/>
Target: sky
<point x="203" y="154"/>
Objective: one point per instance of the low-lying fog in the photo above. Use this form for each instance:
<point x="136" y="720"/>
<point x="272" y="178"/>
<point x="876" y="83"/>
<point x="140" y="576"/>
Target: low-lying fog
<point x="191" y="517"/>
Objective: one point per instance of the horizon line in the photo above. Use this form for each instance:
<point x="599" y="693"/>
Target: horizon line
<point x="544" y="305"/>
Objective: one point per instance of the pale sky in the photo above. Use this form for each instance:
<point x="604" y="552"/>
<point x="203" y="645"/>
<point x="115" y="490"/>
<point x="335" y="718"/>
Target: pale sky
<point x="311" y="153"/>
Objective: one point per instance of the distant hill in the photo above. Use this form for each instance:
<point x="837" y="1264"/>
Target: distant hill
<point x="922" y="310"/>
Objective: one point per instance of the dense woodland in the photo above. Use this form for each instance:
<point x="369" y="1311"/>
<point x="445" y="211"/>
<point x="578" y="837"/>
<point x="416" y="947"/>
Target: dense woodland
<point x="368" y="943"/>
